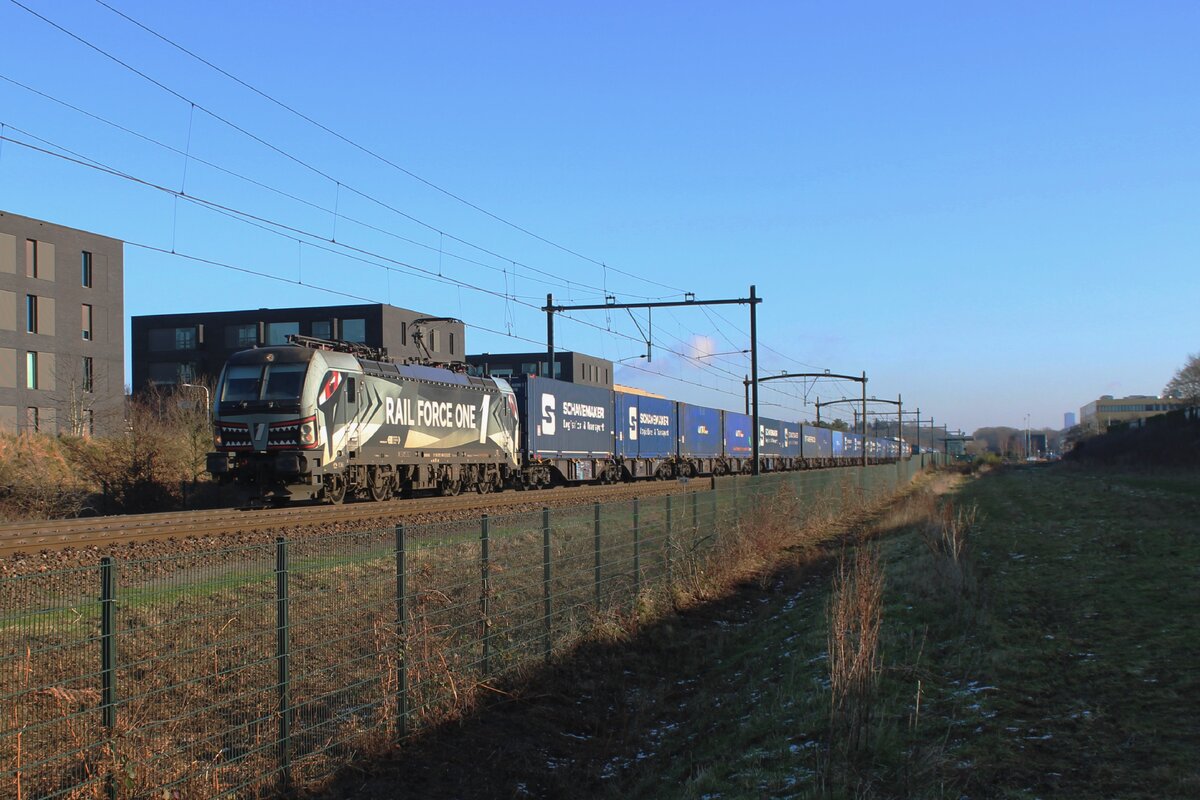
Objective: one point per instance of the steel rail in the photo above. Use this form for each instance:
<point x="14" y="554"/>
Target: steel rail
<point x="81" y="532"/>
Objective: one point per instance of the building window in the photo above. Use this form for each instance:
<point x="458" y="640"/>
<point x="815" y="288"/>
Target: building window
<point x="88" y="380"/>
<point x="89" y="422"/>
<point x="435" y="341"/>
<point x="241" y="336"/>
<point x="31" y="419"/>
<point x="31" y="370"/>
<point x="85" y="268"/>
<point x="321" y="329"/>
<point x="277" y="332"/>
<point x="166" y="339"/>
<point x="354" y="330"/>
<point x="170" y="372"/>
<point x="31" y="317"/>
<point x="451" y="342"/>
<point x="86" y="321"/>
<point x="31" y="262"/>
<point x="404" y="334"/>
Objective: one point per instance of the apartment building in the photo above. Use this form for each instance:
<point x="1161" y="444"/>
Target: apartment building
<point x="173" y="349"/>
<point x="62" y="333"/>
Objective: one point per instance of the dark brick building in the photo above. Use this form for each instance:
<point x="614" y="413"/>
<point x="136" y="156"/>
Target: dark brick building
<point x="568" y="366"/>
<point x="169" y="349"/>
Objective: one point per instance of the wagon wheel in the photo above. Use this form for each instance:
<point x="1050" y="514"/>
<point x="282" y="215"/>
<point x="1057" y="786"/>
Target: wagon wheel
<point x="485" y="485"/>
<point x="335" y="489"/>
<point x="449" y="487"/>
<point x="380" y="487"/>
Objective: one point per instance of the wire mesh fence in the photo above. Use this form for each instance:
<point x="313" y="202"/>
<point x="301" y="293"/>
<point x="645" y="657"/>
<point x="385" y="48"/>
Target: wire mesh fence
<point x="242" y="671"/>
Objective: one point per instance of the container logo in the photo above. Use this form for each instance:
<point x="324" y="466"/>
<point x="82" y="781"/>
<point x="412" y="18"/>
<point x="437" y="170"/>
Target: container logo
<point x="548" y="409"/>
<point x="633" y="423"/>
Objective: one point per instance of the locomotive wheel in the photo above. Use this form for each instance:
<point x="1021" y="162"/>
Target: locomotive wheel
<point x="335" y="489"/>
<point x="380" y="488"/>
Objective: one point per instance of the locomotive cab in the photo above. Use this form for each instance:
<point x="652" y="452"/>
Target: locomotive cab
<point x="270" y="429"/>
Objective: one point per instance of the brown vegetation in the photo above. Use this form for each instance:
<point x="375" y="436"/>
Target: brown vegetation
<point x="152" y="465"/>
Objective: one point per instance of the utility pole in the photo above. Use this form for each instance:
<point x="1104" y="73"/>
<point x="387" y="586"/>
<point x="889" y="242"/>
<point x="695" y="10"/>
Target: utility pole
<point x="754" y="373"/>
<point x="864" y="418"/>
<point x="550" y="336"/>
<point x="689" y="300"/>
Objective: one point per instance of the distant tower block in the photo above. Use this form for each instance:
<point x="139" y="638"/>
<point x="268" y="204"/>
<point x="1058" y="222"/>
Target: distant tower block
<point x="1069" y="419"/>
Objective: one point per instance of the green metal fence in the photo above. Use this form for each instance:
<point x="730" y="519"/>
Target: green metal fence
<point x="241" y="671"/>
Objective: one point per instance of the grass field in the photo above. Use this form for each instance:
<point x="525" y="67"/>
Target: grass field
<point x="1059" y="656"/>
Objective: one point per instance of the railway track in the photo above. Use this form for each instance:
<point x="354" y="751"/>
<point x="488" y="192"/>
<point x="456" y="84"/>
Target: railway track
<point x="99" y="531"/>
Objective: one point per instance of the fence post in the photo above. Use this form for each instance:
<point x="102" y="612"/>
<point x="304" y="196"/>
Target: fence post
<point x="667" y="554"/>
<point x="637" y="555"/>
<point x="484" y="593"/>
<point x="546" y="591"/>
<point x="402" y="629"/>
<point x="596" y="547"/>
<point x="108" y="663"/>
<point x="281" y="658"/>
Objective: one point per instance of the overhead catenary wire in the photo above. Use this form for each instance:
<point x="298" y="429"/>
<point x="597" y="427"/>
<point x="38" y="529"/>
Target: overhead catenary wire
<point x="313" y="240"/>
<point x="383" y="159"/>
<point x="362" y="298"/>
<point x="281" y="151"/>
<point x="552" y="281"/>
<point x="234" y="126"/>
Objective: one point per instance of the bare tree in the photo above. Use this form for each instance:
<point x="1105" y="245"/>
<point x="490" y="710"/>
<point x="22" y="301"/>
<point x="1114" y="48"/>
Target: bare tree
<point x="188" y="413"/>
<point x="77" y="387"/>
<point x="1186" y="383"/>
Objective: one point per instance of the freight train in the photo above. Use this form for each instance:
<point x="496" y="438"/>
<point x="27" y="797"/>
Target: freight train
<point x="323" y="420"/>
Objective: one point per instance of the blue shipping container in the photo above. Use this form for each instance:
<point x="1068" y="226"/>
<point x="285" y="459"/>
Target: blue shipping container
<point x="824" y="443"/>
<point x="699" y="431"/>
<point x="564" y="419"/>
<point x="839" y="444"/>
<point x="808" y="442"/>
<point x="770" y="432"/>
<point x="789" y="440"/>
<point x="738" y="443"/>
<point x="646" y="426"/>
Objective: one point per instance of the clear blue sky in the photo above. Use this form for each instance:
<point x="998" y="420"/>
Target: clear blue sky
<point x="993" y="211"/>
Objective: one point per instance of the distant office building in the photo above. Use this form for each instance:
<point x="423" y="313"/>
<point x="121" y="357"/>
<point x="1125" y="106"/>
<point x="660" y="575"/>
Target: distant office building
<point x="1099" y="414"/>
<point x="62" y="331"/>
<point x="170" y="349"/>
<point x="568" y="366"/>
<point x="1069" y="419"/>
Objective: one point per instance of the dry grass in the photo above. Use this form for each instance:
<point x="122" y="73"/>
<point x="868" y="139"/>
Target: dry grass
<point x="855" y="619"/>
<point x="196" y="680"/>
<point x="945" y="536"/>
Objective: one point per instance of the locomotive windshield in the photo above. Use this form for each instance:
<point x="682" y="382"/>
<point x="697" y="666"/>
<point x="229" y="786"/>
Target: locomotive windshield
<point x="247" y="382"/>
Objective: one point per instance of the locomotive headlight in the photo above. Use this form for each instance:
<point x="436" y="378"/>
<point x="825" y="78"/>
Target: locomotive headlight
<point x="308" y="433"/>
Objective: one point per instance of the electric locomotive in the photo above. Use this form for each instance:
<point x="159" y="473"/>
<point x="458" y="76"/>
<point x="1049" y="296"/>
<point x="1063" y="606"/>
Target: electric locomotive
<point x="319" y="420"/>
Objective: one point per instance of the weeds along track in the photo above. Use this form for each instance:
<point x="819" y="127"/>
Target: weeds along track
<point x="93" y="532"/>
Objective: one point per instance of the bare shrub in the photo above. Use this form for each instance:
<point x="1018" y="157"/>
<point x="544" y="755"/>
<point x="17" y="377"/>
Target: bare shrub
<point x="36" y="479"/>
<point x="945" y="536"/>
<point x="161" y="450"/>
<point x="855" y="618"/>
